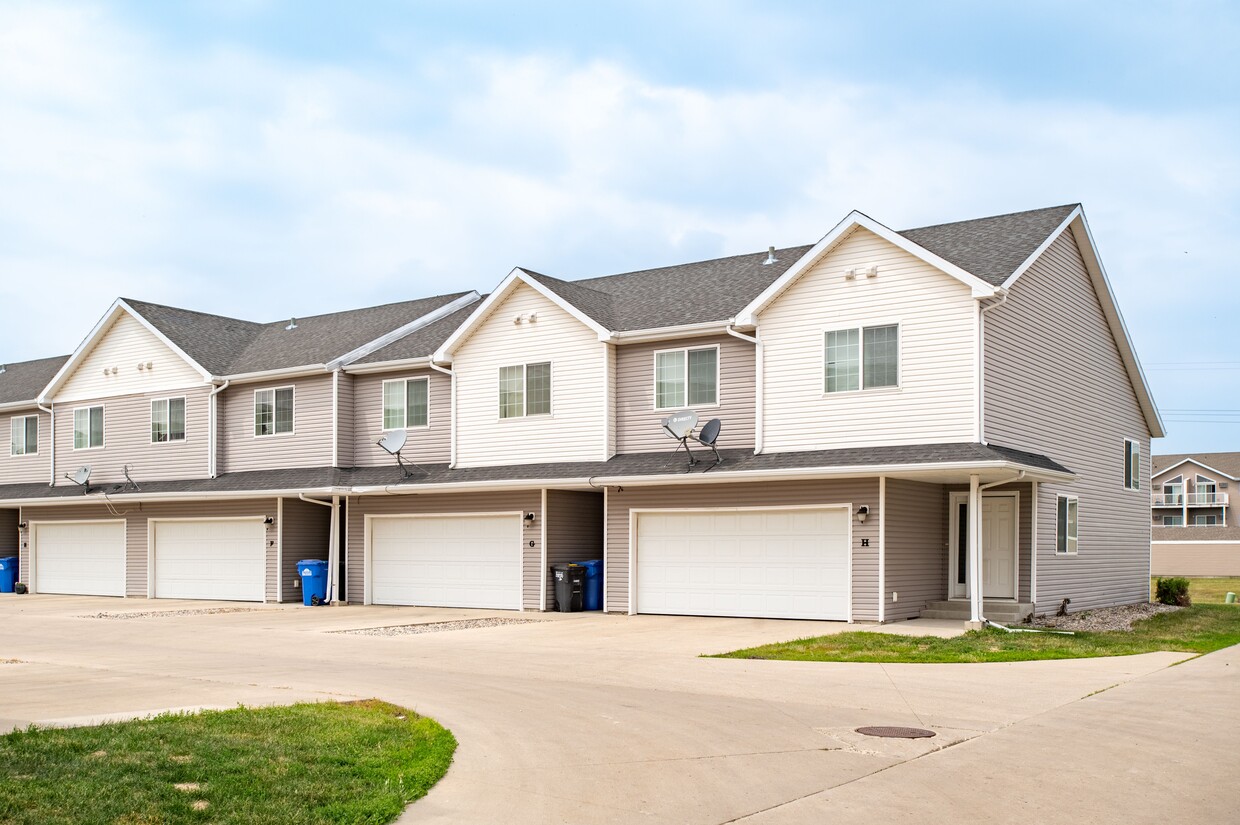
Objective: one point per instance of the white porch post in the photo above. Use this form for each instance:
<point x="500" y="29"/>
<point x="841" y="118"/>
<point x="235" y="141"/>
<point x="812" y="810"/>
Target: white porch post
<point x="333" y="550"/>
<point x="975" y="552"/>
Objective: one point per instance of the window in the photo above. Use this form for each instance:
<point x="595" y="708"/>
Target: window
<point x="686" y="377"/>
<point x="861" y="359"/>
<point x="87" y="428"/>
<point x="273" y="411"/>
<point x="1173" y="521"/>
<point x="405" y="403"/>
<point x="167" y="420"/>
<point x="1065" y="525"/>
<point x="1132" y="465"/>
<point x="1207" y="491"/>
<point x="525" y="390"/>
<point x="25" y="439"/>
<point x="1205" y="521"/>
<point x="1173" y="491"/>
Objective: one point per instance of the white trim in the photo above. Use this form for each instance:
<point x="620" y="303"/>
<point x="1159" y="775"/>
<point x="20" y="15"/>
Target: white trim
<point x="955" y="498"/>
<point x="1033" y="545"/>
<point x="152" y="523"/>
<point x="388" y="366"/>
<point x="32" y="547"/>
<point x="514" y="279"/>
<point x="264" y="376"/>
<point x="1077" y="538"/>
<point x="37" y="433"/>
<point x="608" y="400"/>
<point x="254" y="412"/>
<point x="383" y="403"/>
<point x="279" y="551"/>
<point x="643" y="336"/>
<point x="542" y="578"/>
<point x="1188" y="461"/>
<point x="525" y="395"/>
<point x="861" y="387"/>
<point x="405" y="331"/>
<point x="759" y="412"/>
<point x="335" y="418"/>
<point x="1042" y="247"/>
<point x="882" y="548"/>
<point x="1136" y="477"/>
<point x="103" y="427"/>
<point x="606" y="548"/>
<point x="185" y="412"/>
<point x="654" y="378"/>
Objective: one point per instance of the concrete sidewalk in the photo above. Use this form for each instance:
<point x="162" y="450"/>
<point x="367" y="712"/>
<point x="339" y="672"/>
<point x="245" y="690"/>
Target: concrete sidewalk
<point x="593" y="719"/>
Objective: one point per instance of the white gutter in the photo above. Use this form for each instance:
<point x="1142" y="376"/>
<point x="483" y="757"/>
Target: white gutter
<point x="212" y="425"/>
<point x="14" y="406"/>
<point x="981" y="361"/>
<point x="637" y="336"/>
<point x="757" y="390"/>
<point x="387" y="366"/>
<point x="273" y="375"/>
<point x="95" y="498"/>
<point x="452" y="434"/>
<point x="51" y="411"/>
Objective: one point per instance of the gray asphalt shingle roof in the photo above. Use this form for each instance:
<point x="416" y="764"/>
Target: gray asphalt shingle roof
<point x="1228" y="463"/>
<point x="420" y="343"/>
<point x="24" y="380"/>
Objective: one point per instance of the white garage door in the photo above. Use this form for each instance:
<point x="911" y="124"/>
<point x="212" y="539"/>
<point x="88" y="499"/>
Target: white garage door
<point x="223" y="560"/>
<point x="779" y="564"/>
<point x="446" y="561"/>
<point x="83" y="558"/>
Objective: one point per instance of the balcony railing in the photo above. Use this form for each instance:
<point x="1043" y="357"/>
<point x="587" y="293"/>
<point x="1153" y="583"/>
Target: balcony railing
<point x="1190" y="499"/>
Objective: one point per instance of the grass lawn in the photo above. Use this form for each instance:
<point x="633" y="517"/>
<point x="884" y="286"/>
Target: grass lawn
<point x="1197" y="629"/>
<point x="1205" y="591"/>
<point x="357" y="762"/>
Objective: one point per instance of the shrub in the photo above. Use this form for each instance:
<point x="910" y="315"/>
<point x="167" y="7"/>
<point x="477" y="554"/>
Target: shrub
<point x="1173" y="591"/>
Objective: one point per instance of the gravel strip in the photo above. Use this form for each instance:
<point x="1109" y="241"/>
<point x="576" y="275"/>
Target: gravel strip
<point x="159" y="614"/>
<point x="435" y="627"/>
<point x="1104" y="618"/>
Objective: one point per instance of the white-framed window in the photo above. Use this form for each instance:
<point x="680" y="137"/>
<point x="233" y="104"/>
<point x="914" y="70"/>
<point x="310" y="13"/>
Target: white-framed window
<point x="273" y="411"/>
<point x="686" y="378"/>
<point x="87" y="428"/>
<point x="406" y="403"/>
<point x="1066" y="525"/>
<point x="525" y="389"/>
<point x="1205" y="521"/>
<point x="1206" y="490"/>
<point x="1132" y="464"/>
<point x="167" y="420"/>
<point x="25" y="435"/>
<point x="1173" y="521"/>
<point x="861" y="358"/>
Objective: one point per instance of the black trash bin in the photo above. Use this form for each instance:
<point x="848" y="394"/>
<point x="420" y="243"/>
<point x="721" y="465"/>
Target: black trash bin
<point x="569" y="579"/>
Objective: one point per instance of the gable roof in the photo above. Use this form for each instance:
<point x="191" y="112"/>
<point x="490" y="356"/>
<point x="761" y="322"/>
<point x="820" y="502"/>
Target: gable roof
<point x="21" y="383"/>
<point x="417" y="345"/>
<point x="1225" y="464"/>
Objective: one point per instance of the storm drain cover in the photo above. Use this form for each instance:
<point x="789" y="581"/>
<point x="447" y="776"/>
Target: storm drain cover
<point x="896" y="733"/>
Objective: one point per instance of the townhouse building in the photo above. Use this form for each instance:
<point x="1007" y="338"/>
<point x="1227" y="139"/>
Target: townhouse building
<point x="944" y="421"/>
<point x="1196" y="531"/>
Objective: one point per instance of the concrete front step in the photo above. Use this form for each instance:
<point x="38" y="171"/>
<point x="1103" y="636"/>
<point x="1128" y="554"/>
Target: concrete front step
<point x="995" y="611"/>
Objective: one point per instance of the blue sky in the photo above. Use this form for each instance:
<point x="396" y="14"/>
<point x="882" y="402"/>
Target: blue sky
<point x="267" y="159"/>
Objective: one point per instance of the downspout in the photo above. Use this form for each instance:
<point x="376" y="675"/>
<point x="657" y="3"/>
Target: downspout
<point x="212" y="425"/>
<point x="757" y="401"/>
<point x="51" y="411"/>
<point x="452" y="436"/>
<point x="981" y="361"/>
<point x="333" y="551"/>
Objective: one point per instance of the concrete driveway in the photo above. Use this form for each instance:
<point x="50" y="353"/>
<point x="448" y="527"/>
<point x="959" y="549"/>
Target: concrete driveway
<point x="591" y="719"/>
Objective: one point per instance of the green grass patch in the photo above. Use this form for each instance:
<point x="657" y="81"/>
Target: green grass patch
<point x="1198" y="629"/>
<point x="1206" y="591"/>
<point x="357" y="762"/>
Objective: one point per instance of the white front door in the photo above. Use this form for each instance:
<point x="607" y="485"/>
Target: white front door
<point x="999" y="545"/>
<point x="81" y="558"/>
<point x="223" y="559"/>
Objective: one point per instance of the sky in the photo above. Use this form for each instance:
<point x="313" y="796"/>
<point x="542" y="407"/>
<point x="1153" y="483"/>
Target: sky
<point x="264" y="160"/>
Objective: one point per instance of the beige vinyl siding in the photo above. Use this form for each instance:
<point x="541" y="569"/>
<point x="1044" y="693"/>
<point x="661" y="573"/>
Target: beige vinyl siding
<point x="1051" y="334"/>
<point x="574" y="531"/>
<point x="136" y="515"/>
<point x="853" y="492"/>
<point x="935" y="401"/>
<point x="573" y="430"/>
<point x="124" y="345"/>
<point x="1176" y="559"/>
<point x="304" y="535"/>
<point x="32" y="467"/>
<point x="916" y="549"/>
<point x="525" y="501"/>
<point x="431" y="444"/>
<point x="310" y="443"/>
<point x="127" y="440"/>
<point x="638" y="429"/>
<point x="345" y="419"/>
<point x="613" y="408"/>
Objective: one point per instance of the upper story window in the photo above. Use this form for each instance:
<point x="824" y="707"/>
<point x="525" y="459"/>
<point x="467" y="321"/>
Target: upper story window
<point x="1173" y="491"/>
<point x="167" y="420"/>
<point x="1206" y="489"/>
<point x="87" y="428"/>
<point x="1066" y="525"/>
<point x="525" y="389"/>
<point x="1132" y="465"/>
<point x="863" y="358"/>
<point x="25" y="437"/>
<point x="1173" y="521"/>
<point x="686" y="377"/>
<point x="273" y="411"/>
<point x="1205" y="521"/>
<point x="405" y="403"/>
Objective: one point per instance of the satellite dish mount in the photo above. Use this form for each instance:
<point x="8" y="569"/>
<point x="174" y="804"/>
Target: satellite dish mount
<point x="392" y="444"/>
<point x="81" y="477"/>
<point x="680" y="426"/>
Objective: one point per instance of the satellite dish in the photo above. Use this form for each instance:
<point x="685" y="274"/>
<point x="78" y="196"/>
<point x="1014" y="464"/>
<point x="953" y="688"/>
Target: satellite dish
<point x="394" y="442"/>
<point x="680" y="424"/>
<point x="710" y="432"/>
<point x="81" y="477"/>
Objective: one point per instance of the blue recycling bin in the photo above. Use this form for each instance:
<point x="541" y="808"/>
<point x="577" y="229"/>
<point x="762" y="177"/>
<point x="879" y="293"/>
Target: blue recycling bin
<point x="313" y="580"/>
<point x="592" y="587"/>
<point x="8" y="573"/>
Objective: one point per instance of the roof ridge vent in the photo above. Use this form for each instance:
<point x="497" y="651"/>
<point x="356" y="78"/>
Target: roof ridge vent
<point x="292" y="324"/>
<point x="770" y="256"/>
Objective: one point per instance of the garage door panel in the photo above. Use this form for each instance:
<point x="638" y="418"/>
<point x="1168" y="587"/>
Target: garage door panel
<point x="221" y="560"/>
<point x="446" y="561"/>
<point x="80" y="558"/>
<point x="777" y="563"/>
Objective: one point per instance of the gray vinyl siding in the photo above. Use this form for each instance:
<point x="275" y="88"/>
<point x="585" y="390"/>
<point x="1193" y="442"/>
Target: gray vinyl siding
<point x="10" y="541"/>
<point x="345" y="419"/>
<point x="853" y="492"/>
<point x="1052" y="334"/>
<point x="310" y="443"/>
<point x="304" y="535"/>
<point x="574" y="531"/>
<point x="915" y="547"/>
<point x="637" y="420"/>
<point x="136" y="515"/>
<point x="527" y="501"/>
<point x="127" y="440"/>
<point x="431" y="444"/>
<point x="32" y="467"/>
